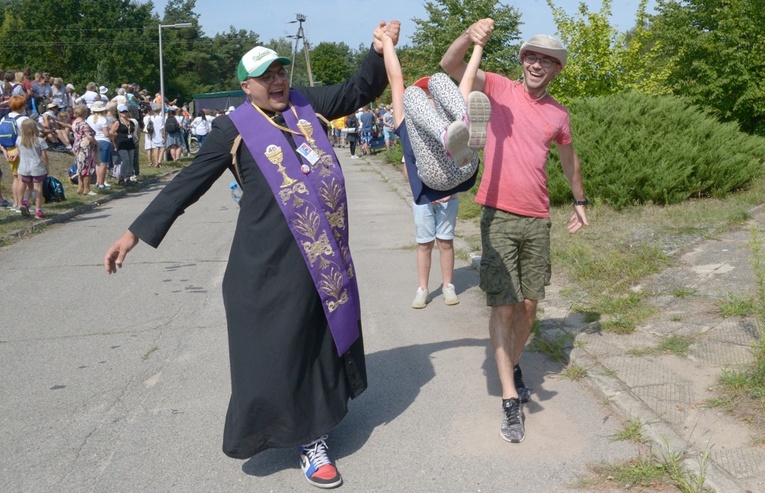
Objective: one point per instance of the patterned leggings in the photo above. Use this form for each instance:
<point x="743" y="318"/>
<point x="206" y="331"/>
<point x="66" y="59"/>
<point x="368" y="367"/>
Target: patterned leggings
<point x="426" y="122"/>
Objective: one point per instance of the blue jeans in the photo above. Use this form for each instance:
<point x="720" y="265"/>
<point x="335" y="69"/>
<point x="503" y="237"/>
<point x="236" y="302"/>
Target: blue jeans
<point x="105" y="151"/>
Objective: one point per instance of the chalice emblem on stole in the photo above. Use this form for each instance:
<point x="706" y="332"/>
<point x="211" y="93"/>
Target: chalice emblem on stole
<point x="307" y="128"/>
<point x="274" y="154"/>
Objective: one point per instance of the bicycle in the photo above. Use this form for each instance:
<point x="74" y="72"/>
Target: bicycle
<point x="193" y="145"/>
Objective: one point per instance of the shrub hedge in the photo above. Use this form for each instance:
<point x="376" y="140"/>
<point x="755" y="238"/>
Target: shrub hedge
<point x="638" y="149"/>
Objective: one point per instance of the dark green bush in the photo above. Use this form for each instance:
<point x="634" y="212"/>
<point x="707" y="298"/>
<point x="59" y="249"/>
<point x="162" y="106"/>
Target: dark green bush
<point x="394" y="155"/>
<point x="638" y="149"/>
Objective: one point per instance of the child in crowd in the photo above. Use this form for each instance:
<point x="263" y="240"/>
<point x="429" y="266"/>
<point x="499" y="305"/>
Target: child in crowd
<point x="440" y="128"/>
<point x="33" y="165"/>
<point x="11" y="152"/>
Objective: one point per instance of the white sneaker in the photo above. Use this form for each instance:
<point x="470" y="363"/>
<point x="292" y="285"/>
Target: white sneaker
<point x="456" y="143"/>
<point x="450" y="295"/>
<point x="479" y="111"/>
<point x="421" y="298"/>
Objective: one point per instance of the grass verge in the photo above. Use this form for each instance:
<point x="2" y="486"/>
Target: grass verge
<point x="664" y="472"/>
<point x="605" y="263"/>
<point x="742" y="389"/>
<point x="59" y="165"/>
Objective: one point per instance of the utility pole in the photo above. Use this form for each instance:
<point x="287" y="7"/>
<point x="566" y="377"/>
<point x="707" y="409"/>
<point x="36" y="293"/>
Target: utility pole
<point x="300" y="19"/>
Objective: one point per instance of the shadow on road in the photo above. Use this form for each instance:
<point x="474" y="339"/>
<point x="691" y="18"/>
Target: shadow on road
<point x="396" y="377"/>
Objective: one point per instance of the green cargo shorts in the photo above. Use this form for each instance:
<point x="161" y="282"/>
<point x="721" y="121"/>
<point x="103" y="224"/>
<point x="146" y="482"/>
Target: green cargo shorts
<point x="515" y="263"/>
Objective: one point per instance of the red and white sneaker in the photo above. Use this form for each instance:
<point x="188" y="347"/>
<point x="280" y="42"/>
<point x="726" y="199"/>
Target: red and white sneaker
<point x="317" y="466"/>
<point x="40" y="215"/>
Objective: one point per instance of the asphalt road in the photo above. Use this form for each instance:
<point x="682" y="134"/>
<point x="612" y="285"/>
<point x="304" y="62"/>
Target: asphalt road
<point x="120" y="383"/>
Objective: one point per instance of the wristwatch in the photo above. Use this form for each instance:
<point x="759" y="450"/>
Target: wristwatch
<point x="586" y="201"/>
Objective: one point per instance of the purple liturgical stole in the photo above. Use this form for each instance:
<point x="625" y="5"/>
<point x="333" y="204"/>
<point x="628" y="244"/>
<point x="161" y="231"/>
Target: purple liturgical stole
<point x="310" y="190"/>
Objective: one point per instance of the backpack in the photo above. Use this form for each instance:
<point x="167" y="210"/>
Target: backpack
<point x="9" y="131"/>
<point x="53" y="190"/>
<point x="150" y="126"/>
<point x="171" y="126"/>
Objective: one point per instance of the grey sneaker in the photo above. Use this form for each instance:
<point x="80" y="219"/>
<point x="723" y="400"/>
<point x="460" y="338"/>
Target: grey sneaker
<point x="456" y="143"/>
<point x="479" y="111"/>
<point x="513" y="421"/>
<point x="524" y="393"/>
<point x="421" y="298"/>
<point x="450" y="295"/>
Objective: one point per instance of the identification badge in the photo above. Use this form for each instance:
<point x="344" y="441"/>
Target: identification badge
<point x="308" y="153"/>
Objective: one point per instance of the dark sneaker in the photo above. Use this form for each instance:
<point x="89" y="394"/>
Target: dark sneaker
<point x="317" y="466"/>
<point x="513" y="421"/>
<point x="524" y="393"/>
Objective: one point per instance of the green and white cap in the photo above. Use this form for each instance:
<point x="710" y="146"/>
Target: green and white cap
<point x="256" y="61"/>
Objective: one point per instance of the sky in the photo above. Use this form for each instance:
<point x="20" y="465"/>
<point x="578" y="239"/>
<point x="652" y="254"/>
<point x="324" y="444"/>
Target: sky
<point x="352" y="21"/>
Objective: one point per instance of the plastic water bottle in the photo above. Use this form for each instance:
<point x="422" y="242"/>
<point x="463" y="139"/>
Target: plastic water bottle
<point x="236" y="191"/>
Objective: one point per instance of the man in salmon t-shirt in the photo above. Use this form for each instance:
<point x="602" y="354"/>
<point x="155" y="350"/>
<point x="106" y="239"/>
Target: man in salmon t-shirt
<point x="515" y="225"/>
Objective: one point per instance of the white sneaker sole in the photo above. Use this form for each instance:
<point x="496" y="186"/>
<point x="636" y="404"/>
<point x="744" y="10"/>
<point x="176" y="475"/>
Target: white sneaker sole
<point x="512" y="441"/>
<point x="457" y="137"/>
<point x="479" y="111"/>
<point x="452" y="302"/>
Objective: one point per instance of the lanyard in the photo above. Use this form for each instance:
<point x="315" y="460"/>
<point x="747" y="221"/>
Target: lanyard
<point x="280" y="127"/>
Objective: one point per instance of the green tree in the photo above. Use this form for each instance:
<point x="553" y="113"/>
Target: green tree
<point x="186" y="52"/>
<point x="447" y="19"/>
<point x="640" y="73"/>
<point x="82" y="36"/>
<point x="331" y="63"/>
<point x="227" y="49"/>
<point x="713" y="53"/>
<point x="602" y="60"/>
<point x="593" y="67"/>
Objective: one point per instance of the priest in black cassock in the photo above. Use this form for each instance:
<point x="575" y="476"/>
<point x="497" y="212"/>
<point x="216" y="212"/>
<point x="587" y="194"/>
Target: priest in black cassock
<point x="290" y="289"/>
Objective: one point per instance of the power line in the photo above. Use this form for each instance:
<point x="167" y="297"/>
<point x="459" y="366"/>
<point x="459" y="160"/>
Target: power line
<point x="90" y="43"/>
<point x="77" y="29"/>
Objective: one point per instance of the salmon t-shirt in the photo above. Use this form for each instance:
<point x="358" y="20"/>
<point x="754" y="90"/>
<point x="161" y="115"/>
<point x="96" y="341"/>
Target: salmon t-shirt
<point x="518" y="141"/>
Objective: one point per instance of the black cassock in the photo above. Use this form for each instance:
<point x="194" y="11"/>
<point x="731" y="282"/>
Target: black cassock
<point x="288" y="385"/>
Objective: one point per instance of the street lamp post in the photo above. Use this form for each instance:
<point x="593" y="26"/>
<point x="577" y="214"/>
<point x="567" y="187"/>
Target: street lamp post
<point x="161" y="69"/>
